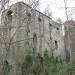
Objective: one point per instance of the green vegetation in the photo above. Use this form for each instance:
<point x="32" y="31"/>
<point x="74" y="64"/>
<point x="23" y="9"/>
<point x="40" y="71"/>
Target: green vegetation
<point x="6" y="67"/>
<point x="45" y="64"/>
<point x="42" y="64"/>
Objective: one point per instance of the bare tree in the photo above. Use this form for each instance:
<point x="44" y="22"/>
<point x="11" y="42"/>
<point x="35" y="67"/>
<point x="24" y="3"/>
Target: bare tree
<point x="33" y="3"/>
<point x="3" y="4"/>
<point x="65" y="3"/>
<point x="48" y="12"/>
<point x="59" y="20"/>
<point x="8" y="40"/>
<point x="69" y="11"/>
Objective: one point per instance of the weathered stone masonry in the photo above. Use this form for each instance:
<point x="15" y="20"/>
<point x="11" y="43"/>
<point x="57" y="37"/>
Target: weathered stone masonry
<point x="69" y="40"/>
<point x="22" y="24"/>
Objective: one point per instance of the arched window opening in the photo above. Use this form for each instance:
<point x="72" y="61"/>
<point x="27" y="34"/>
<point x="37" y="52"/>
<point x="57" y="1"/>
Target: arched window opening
<point x="9" y="19"/>
<point x="67" y="55"/>
<point x="6" y="62"/>
<point x="34" y="41"/>
<point x="57" y="28"/>
<point x="50" y="24"/>
<point x="28" y="14"/>
<point x="39" y="19"/>
<point x="9" y="13"/>
<point x="9" y="16"/>
<point x="56" y="44"/>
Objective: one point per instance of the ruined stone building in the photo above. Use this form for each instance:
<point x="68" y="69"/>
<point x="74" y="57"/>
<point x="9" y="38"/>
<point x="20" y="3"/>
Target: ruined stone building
<point x="21" y="26"/>
<point x="69" y="40"/>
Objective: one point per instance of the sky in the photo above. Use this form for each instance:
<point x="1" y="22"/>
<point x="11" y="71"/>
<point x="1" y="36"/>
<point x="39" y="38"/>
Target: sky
<point x="56" y="7"/>
<point x="53" y="7"/>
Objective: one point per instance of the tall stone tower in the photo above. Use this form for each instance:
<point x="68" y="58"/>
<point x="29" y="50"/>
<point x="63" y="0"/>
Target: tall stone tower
<point x="69" y="40"/>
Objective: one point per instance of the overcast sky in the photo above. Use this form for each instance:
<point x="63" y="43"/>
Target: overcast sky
<point x="56" y="7"/>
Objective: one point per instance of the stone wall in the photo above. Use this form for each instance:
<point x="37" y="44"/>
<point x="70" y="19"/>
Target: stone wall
<point x="25" y="28"/>
<point x="70" y="40"/>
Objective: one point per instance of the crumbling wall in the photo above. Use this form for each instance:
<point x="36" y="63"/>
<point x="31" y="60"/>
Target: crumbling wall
<point x="27" y="29"/>
<point x="70" y="40"/>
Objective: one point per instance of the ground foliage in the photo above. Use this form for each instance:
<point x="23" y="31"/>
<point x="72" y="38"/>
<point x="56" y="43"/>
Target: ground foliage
<point x="46" y="64"/>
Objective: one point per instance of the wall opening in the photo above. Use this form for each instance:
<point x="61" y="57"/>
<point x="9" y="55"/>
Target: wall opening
<point x="50" y="24"/>
<point x="9" y="16"/>
<point x="57" y="28"/>
<point x="56" y="44"/>
<point x="34" y="41"/>
<point x="9" y="19"/>
<point x="9" y="13"/>
<point x="67" y="55"/>
<point x="39" y="19"/>
<point x="6" y="62"/>
<point x="28" y="14"/>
